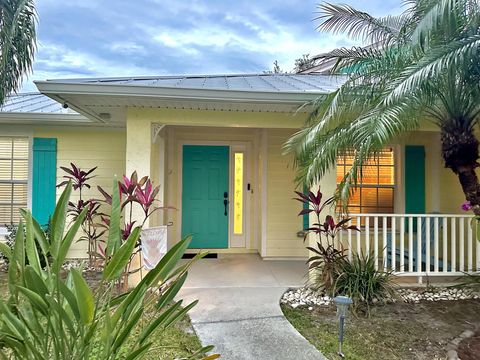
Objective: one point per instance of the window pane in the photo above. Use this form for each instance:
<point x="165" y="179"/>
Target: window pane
<point x="16" y="213"/>
<point x="386" y="175"/>
<point x="5" y="148"/>
<point x="369" y="175"/>
<point x="385" y="197"/>
<point x="5" y="193"/>
<point x="20" y="194"/>
<point x="5" y="170"/>
<point x="238" y="195"/>
<point x="20" y="148"/>
<point x="5" y="215"/>
<point x="369" y="197"/>
<point x="355" y="199"/>
<point x="385" y="157"/>
<point x="340" y="173"/>
<point x="20" y="169"/>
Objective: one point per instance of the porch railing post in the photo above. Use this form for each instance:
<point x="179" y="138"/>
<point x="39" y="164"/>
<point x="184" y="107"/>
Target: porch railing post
<point x="375" y="240"/>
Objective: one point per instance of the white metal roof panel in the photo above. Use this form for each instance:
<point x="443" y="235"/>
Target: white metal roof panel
<point x="33" y="103"/>
<point x="274" y="83"/>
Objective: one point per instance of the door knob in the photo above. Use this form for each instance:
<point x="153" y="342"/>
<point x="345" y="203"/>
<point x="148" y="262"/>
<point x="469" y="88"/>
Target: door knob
<point x="225" y="203"/>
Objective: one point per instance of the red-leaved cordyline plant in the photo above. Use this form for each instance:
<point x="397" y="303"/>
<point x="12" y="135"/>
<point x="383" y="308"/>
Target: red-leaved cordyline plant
<point x="131" y="190"/>
<point x="134" y="191"/>
<point x="326" y="255"/>
<point x="78" y="177"/>
<point x="91" y="229"/>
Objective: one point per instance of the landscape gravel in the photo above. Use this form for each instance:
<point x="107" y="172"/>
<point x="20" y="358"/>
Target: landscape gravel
<point x="310" y="297"/>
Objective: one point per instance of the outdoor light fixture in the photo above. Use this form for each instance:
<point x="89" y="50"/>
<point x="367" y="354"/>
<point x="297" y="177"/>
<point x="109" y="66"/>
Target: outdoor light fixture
<point x="342" y="303"/>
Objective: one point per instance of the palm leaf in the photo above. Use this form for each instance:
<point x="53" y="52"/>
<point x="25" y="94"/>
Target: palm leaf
<point x="17" y="43"/>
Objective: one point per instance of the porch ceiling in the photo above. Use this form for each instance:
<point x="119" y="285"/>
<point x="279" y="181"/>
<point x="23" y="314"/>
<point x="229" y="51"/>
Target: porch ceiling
<point x="105" y="100"/>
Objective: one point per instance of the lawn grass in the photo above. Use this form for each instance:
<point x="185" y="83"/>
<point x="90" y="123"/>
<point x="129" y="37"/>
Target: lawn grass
<point x="395" y="331"/>
<point x="178" y="341"/>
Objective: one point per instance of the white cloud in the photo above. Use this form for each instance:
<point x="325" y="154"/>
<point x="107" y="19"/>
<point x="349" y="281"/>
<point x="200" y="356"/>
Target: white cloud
<point x="127" y="47"/>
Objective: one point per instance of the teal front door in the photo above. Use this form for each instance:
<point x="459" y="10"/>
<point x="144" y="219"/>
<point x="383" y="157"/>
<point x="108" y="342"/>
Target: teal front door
<point x="205" y="195"/>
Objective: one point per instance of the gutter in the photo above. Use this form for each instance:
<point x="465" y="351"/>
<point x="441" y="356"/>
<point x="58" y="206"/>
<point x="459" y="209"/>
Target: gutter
<point x="8" y="117"/>
<point x="52" y="119"/>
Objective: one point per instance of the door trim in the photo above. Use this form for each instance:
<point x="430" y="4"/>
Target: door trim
<point x="233" y="145"/>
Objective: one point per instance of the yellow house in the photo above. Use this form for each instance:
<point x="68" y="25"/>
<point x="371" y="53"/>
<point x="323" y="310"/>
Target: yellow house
<point x="214" y="145"/>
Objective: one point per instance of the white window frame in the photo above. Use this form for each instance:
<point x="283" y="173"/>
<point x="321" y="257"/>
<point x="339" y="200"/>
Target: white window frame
<point x="398" y="202"/>
<point x="29" y="135"/>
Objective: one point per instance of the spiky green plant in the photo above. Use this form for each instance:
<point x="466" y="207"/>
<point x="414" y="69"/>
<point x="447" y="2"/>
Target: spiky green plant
<point x="50" y="314"/>
<point x="422" y="65"/>
<point x="359" y="279"/>
<point x="17" y="43"/>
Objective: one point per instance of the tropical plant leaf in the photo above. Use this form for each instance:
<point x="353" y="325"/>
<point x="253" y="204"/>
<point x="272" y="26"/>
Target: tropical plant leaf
<point x="58" y="220"/>
<point x="85" y="298"/>
<point x="121" y="257"/>
<point x="114" y="234"/>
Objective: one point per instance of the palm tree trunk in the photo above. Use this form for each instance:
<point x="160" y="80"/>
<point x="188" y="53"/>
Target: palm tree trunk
<point x="460" y="154"/>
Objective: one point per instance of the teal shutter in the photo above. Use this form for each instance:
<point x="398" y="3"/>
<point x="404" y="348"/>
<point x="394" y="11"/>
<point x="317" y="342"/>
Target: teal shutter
<point x="414" y="179"/>
<point x="44" y="178"/>
<point x="306" y="217"/>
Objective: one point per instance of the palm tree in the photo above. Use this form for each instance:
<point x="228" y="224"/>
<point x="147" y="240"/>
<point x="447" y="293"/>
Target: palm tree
<point x="423" y="64"/>
<point x="17" y="43"/>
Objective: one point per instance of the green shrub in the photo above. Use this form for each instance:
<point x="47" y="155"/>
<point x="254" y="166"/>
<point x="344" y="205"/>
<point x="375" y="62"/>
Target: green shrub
<point x="53" y="315"/>
<point x="326" y="255"/>
<point x="362" y="282"/>
<point x="10" y="241"/>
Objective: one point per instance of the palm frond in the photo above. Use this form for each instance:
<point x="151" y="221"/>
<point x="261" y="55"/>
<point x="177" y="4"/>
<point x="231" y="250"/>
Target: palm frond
<point x="17" y="43"/>
<point x="433" y="64"/>
<point x="341" y="18"/>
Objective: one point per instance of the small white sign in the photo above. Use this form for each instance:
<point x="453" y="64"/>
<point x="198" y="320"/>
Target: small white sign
<point x="154" y="245"/>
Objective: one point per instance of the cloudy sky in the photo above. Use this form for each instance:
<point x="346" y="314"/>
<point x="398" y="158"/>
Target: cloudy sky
<point x="93" y="38"/>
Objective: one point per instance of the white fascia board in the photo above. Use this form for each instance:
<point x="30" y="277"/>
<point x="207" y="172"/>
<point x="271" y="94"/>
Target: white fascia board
<point x="42" y="118"/>
<point x="53" y="87"/>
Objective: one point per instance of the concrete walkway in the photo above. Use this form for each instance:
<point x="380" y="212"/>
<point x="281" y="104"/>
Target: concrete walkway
<point x="239" y="311"/>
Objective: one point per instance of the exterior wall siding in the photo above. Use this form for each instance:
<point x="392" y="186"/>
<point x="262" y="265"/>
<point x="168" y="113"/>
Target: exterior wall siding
<point x="283" y="221"/>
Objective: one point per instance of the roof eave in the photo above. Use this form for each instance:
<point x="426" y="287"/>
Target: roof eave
<point x="54" y="88"/>
<point x="35" y="118"/>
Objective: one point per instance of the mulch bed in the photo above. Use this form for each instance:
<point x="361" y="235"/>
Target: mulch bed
<point x="469" y="348"/>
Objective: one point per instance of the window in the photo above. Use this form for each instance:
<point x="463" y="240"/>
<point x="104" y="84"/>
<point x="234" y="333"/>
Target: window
<point x="238" y="195"/>
<point x="375" y="190"/>
<point x="13" y="178"/>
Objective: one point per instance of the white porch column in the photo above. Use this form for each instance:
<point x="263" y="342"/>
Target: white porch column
<point x="139" y="159"/>
<point x="138" y="154"/>
<point x="328" y="186"/>
<point x="263" y="169"/>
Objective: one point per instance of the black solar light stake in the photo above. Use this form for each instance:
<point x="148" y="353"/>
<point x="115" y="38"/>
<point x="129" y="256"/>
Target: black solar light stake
<point x="342" y="303"/>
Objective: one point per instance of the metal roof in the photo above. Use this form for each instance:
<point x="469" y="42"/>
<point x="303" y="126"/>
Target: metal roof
<point x="33" y="103"/>
<point x="271" y="83"/>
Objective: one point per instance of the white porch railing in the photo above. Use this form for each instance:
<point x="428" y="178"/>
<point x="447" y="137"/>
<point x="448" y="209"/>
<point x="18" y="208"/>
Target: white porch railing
<point x="416" y="244"/>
